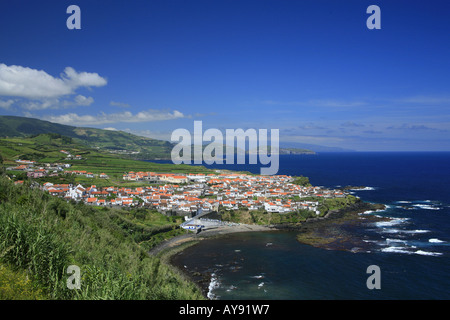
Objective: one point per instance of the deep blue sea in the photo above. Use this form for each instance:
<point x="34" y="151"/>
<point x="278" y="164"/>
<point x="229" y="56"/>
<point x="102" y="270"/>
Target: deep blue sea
<point x="412" y="251"/>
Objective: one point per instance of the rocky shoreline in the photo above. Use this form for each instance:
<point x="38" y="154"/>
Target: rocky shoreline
<point x="340" y="230"/>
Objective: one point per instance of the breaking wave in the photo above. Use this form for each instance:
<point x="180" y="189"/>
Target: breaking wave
<point x="434" y="240"/>
<point x="363" y="189"/>
<point x="213" y="284"/>
<point x="406" y="250"/>
<point x="419" y="204"/>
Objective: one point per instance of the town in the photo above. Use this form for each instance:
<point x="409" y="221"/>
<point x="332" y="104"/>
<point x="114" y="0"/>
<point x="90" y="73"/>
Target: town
<point x="189" y="194"/>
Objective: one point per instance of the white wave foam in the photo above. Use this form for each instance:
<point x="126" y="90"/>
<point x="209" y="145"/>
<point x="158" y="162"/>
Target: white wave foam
<point x="372" y="241"/>
<point x="396" y="250"/>
<point x="404" y="250"/>
<point x="426" y="201"/>
<point x="260" y="285"/>
<point x="434" y="240"/>
<point x="403" y="201"/>
<point x="426" y="207"/>
<point x="388" y="240"/>
<point x="363" y="189"/>
<point x="213" y="284"/>
<point x="373" y="211"/>
<point x="393" y="222"/>
<point x="393" y="230"/>
<point x="428" y="253"/>
<point x="416" y="231"/>
<point x="231" y="288"/>
<point x="406" y="208"/>
<point x="390" y="230"/>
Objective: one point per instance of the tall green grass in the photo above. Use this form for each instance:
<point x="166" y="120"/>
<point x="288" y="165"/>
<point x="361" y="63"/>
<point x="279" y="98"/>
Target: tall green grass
<point x="42" y="235"/>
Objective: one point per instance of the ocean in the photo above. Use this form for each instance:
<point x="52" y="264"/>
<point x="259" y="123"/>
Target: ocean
<point x="412" y="250"/>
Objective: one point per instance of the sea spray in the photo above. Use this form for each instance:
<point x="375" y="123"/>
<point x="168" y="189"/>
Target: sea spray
<point x="213" y="284"/>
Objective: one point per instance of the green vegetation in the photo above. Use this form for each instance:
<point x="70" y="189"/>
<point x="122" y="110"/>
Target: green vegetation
<point x="123" y="143"/>
<point x="46" y="148"/>
<point x="302" y="181"/>
<point x="15" y="285"/>
<point x="333" y="204"/>
<point x="262" y="217"/>
<point x="40" y="236"/>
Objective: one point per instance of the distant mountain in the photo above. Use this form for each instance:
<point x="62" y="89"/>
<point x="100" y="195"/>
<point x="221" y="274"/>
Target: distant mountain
<point x="12" y="126"/>
<point x="313" y="147"/>
<point x="296" y="151"/>
<point x="119" y="142"/>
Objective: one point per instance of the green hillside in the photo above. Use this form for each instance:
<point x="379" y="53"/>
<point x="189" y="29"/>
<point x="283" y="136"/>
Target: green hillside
<point x="119" y="142"/>
<point x="46" y="148"/>
<point x="40" y="236"/>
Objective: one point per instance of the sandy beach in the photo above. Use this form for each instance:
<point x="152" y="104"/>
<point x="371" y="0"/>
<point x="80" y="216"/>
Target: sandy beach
<point x="207" y="233"/>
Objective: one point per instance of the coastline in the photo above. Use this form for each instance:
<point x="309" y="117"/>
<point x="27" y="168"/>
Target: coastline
<point x="340" y="230"/>
<point x="169" y="248"/>
<point x="332" y="231"/>
<point x="206" y="233"/>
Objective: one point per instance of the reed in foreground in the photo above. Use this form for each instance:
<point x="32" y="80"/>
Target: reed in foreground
<point x="41" y="236"/>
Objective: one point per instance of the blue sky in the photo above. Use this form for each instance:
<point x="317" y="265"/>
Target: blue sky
<point x="311" y="69"/>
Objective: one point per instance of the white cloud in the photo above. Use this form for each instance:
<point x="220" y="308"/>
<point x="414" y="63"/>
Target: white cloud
<point x="82" y="79"/>
<point x="24" y="82"/>
<point x="40" y="104"/>
<point x="313" y="139"/>
<point x="103" y="118"/>
<point x="351" y="124"/>
<point x="331" y="103"/>
<point x="6" y="104"/>
<point x="81" y="101"/>
<point x="435" y="100"/>
<point x="119" y="104"/>
<point x="336" y="103"/>
<point x="53" y="103"/>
